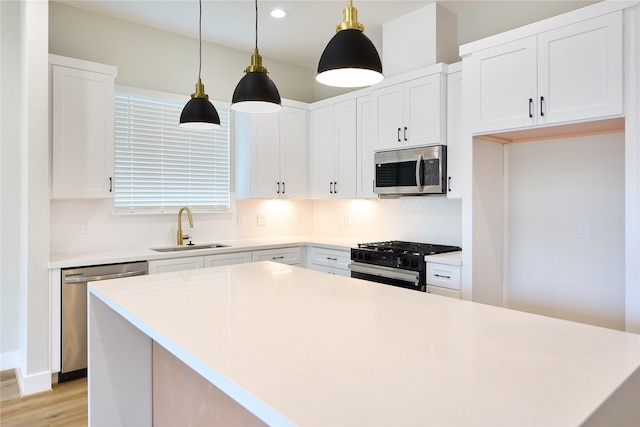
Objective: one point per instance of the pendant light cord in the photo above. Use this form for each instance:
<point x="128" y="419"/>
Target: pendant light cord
<point x="256" y="24"/>
<point x="200" y="39"/>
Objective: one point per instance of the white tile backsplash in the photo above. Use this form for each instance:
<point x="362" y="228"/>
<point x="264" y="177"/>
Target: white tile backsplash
<point x="91" y="225"/>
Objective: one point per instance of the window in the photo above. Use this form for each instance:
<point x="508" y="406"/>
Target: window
<point x="159" y="165"/>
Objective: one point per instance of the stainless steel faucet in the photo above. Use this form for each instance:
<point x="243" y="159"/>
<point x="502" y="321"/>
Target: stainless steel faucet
<point x="183" y="237"/>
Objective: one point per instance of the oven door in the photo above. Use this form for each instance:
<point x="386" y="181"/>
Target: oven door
<point x="387" y="275"/>
<point x="413" y="171"/>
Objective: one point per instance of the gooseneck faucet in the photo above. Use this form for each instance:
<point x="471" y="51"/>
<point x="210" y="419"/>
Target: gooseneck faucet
<point x="183" y="237"/>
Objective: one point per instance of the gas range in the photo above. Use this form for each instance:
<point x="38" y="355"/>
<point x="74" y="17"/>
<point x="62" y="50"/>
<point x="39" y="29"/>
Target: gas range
<point x="395" y="262"/>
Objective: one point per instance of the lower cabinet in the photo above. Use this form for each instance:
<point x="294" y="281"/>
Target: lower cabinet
<point x="227" y="259"/>
<point x="443" y="279"/>
<point x="193" y="262"/>
<point x="291" y="256"/>
<point x="175" y="264"/>
<point x="332" y="261"/>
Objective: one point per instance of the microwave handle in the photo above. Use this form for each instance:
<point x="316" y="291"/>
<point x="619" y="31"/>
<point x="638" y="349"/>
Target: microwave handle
<point x="418" y="174"/>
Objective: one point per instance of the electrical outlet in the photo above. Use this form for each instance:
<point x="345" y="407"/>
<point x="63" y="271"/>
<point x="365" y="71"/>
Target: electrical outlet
<point x="85" y="227"/>
<point x="584" y="230"/>
<point x="262" y="220"/>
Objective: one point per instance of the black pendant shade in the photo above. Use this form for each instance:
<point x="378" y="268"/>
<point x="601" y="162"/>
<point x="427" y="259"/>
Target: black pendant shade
<point x="256" y="93"/>
<point x="199" y="113"/>
<point x="350" y="59"/>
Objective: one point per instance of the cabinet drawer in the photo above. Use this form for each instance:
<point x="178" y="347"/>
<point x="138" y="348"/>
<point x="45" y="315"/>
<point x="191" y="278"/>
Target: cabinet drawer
<point x="443" y="275"/>
<point x="329" y="257"/>
<point x="330" y="270"/>
<point x="291" y="256"/>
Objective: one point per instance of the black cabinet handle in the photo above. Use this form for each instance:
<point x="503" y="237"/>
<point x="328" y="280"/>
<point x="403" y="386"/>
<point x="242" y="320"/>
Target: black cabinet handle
<point x="284" y="187"/>
<point x="541" y="105"/>
<point x="530" y="108"/>
<point x="444" y="277"/>
<point x="335" y="187"/>
<point x="110" y="185"/>
<point x="399" y="134"/>
<point x="405" y="133"/>
<point x="331" y="188"/>
<point x="449" y="184"/>
<point x="278" y="189"/>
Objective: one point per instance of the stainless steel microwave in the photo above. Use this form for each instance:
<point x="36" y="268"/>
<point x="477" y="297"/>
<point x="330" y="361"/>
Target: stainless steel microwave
<point x="411" y="171"/>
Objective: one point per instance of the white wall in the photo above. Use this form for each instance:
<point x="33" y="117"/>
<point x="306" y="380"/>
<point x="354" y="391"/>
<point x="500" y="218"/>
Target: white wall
<point x="9" y="191"/>
<point x="551" y="269"/>
<point x="419" y="219"/>
<point x="153" y="59"/>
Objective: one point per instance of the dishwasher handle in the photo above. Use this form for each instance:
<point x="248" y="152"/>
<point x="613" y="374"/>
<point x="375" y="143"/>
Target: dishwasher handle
<point x="82" y="279"/>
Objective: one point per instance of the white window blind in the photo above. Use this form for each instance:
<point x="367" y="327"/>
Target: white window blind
<point x="159" y="165"/>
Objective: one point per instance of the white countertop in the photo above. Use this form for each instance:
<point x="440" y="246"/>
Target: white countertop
<point x="146" y="254"/>
<point x="450" y="258"/>
<point x="301" y="347"/>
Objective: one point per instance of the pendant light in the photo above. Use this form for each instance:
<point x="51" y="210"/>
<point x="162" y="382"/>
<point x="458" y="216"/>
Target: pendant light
<point x="199" y="113"/>
<point x="256" y="93"/>
<point x="350" y="59"/>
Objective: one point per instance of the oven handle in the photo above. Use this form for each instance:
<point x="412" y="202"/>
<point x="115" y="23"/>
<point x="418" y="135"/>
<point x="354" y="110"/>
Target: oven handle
<point x="418" y="174"/>
<point x="391" y="273"/>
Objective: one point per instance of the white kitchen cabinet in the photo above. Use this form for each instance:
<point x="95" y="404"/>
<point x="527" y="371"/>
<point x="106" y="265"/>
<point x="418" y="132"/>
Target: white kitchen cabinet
<point x="333" y="151"/>
<point x="271" y="154"/>
<point x="291" y="256"/>
<point x="175" y="264"/>
<point x="329" y="260"/>
<point x="568" y="74"/>
<point x="456" y="174"/>
<point x="365" y="147"/>
<point x="444" y="279"/>
<point x="82" y="128"/>
<point x="227" y="259"/>
<point x="411" y="113"/>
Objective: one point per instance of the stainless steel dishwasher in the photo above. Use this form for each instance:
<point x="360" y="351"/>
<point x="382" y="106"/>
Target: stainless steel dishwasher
<point x="74" y="311"/>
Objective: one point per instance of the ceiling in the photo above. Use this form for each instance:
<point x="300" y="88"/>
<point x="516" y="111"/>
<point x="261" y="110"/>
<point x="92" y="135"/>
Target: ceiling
<point x="298" y="38"/>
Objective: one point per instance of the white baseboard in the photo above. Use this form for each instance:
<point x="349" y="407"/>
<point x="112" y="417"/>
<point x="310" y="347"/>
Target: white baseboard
<point x="34" y="383"/>
<point x="8" y="360"/>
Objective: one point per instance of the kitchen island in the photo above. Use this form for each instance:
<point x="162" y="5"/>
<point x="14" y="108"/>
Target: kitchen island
<point x="266" y="343"/>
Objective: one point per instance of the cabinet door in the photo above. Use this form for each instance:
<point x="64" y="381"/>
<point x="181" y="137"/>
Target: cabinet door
<point x="227" y="259"/>
<point x="321" y="171"/>
<point x="345" y="150"/>
<point x="175" y="264"/>
<point x="293" y="152"/>
<point x="82" y="134"/>
<point x="423" y="105"/>
<point x="366" y="137"/>
<point x="390" y="116"/>
<point x="265" y="155"/>
<point x="504" y="86"/>
<point x="454" y="136"/>
<point x="580" y="70"/>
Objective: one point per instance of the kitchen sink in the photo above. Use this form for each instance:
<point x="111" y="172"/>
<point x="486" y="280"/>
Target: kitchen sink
<point x="189" y="247"/>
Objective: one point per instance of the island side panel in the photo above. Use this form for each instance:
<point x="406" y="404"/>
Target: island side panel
<point x="120" y="367"/>
<point x="622" y="408"/>
<point x="183" y="397"/>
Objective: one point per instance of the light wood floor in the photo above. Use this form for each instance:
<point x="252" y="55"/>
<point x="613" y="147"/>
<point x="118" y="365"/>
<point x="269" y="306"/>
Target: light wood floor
<point x="65" y="405"/>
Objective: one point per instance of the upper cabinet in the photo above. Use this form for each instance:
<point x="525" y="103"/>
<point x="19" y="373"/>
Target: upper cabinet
<point x="457" y="175"/>
<point x="365" y="146"/>
<point x="82" y="128"/>
<point x="271" y="154"/>
<point x="572" y="73"/>
<point x="411" y="113"/>
<point x="332" y="169"/>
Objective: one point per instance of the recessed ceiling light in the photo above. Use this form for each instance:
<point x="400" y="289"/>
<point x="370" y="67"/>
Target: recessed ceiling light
<point x="279" y="13"/>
